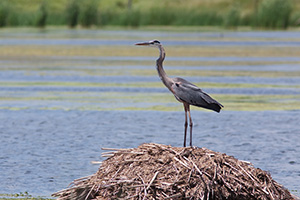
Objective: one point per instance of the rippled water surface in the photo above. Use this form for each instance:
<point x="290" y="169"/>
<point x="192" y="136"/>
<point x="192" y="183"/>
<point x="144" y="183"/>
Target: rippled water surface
<point x="59" y="105"/>
<point x="43" y="151"/>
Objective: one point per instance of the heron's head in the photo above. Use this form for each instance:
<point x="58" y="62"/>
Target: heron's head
<point x="152" y="43"/>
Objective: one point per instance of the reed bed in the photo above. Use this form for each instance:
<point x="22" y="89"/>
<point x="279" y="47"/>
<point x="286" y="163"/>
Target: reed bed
<point x="228" y="13"/>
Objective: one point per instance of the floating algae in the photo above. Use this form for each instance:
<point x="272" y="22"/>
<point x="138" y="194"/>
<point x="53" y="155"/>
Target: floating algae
<point x="154" y="171"/>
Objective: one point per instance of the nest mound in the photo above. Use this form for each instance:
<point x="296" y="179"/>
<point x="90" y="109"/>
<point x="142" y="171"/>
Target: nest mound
<point x="154" y="171"/>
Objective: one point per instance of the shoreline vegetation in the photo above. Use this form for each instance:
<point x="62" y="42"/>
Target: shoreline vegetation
<point x="261" y="14"/>
<point x="22" y="196"/>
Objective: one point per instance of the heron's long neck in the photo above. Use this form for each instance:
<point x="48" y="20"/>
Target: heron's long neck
<point x="159" y="66"/>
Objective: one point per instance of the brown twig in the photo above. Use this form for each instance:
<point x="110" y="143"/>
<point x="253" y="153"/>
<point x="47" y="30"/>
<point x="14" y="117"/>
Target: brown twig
<point x="145" y="190"/>
<point x="154" y="177"/>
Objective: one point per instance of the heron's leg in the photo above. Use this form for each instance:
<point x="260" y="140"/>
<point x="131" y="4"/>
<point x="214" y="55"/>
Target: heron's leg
<point x="185" y="125"/>
<point x="191" y="126"/>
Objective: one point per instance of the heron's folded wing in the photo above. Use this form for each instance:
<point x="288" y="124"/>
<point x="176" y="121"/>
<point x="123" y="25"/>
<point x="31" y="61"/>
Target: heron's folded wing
<point x="190" y="93"/>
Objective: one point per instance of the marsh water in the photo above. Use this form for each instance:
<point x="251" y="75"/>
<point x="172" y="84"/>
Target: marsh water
<point x="61" y="101"/>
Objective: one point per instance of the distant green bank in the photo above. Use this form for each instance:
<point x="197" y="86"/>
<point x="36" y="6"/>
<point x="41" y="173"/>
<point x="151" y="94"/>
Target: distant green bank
<point x="21" y="196"/>
<point x="271" y="14"/>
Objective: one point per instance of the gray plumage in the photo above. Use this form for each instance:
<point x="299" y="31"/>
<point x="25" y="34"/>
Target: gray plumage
<point x="187" y="92"/>
<point x="184" y="91"/>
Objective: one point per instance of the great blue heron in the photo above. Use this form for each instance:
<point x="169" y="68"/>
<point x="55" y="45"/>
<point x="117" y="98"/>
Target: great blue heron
<point x="184" y="91"/>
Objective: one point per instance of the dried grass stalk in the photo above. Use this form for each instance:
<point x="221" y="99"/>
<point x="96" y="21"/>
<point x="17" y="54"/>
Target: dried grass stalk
<point x="154" y="171"/>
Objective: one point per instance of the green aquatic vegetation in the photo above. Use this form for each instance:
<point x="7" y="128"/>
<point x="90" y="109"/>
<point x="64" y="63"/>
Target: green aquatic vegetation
<point x="221" y="73"/>
<point x="143" y="101"/>
<point x="111" y="71"/>
<point x="22" y="196"/>
<point x="156" y="84"/>
<point x="261" y="102"/>
<point x="33" y="52"/>
<point x="58" y="60"/>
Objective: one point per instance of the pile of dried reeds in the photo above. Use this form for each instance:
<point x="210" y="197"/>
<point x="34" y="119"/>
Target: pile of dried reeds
<point x="154" y="171"/>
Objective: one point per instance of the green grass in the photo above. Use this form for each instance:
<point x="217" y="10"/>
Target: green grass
<point x="21" y="196"/>
<point x="274" y="13"/>
<point x="22" y="51"/>
<point x="143" y="101"/>
<point x="227" y="13"/>
<point x="141" y="84"/>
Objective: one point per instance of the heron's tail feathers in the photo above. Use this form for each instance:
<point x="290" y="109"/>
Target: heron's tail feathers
<point x="214" y="106"/>
<point x="210" y="103"/>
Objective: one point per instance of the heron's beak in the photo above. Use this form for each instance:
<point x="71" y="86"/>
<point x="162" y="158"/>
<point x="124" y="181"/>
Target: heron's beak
<point x="143" y="43"/>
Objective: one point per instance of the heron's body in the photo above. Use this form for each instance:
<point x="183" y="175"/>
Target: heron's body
<point x="183" y="90"/>
<point x="189" y="93"/>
